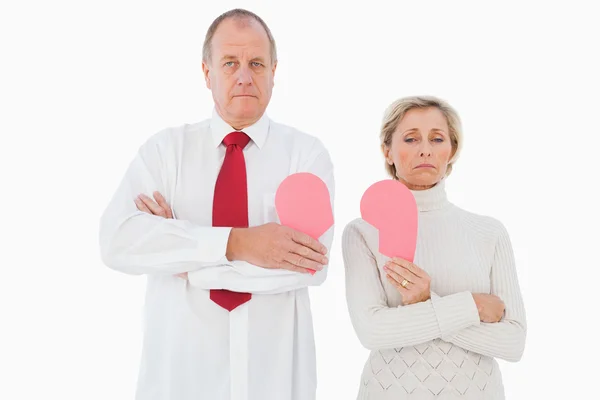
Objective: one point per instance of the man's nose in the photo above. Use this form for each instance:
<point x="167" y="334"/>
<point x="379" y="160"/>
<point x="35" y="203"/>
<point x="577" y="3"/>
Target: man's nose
<point x="244" y="76"/>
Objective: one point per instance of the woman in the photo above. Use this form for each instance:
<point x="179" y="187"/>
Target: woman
<point x="435" y="326"/>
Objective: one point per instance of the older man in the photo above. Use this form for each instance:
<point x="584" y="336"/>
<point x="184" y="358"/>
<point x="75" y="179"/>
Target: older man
<point x="227" y="313"/>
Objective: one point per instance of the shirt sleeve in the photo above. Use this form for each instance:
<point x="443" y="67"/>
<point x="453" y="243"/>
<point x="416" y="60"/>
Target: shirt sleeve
<point x="138" y="243"/>
<point x="504" y="339"/>
<point x="379" y="326"/>
<point x="242" y="276"/>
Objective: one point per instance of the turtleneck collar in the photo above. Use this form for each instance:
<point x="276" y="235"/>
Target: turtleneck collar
<point x="431" y="199"/>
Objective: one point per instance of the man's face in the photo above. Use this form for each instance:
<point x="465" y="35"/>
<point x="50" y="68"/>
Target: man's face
<point x="240" y="72"/>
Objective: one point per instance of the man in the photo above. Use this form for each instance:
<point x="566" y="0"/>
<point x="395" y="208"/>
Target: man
<point x="214" y="226"/>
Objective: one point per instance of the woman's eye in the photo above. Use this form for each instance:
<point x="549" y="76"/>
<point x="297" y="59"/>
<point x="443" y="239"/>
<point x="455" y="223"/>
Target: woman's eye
<point x="439" y="140"/>
<point x="409" y="140"/>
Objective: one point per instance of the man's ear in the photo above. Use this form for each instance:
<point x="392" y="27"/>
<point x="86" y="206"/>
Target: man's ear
<point x="273" y="68"/>
<point x="205" y="71"/>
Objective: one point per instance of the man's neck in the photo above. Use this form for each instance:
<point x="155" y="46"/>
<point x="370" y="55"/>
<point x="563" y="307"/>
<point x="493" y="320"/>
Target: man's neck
<point x="238" y="124"/>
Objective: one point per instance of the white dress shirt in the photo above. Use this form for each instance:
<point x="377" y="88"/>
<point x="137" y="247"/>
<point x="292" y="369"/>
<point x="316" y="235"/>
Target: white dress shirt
<point x="193" y="349"/>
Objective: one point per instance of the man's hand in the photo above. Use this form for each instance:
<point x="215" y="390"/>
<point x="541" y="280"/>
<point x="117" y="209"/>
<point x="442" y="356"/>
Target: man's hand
<point x="158" y="207"/>
<point x="276" y="246"/>
<point x="416" y="281"/>
<point x="490" y="307"/>
<point x="271" y="245"/>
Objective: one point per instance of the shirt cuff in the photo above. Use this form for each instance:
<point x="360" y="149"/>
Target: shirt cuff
<point x="455" y="312"/>
<point x="212" y="244"/>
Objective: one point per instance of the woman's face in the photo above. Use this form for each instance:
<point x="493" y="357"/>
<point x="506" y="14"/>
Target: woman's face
<point x="420" y="148"/>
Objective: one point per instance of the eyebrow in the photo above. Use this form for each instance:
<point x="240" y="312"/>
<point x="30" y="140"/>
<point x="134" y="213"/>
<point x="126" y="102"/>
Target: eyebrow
<point x="232" y="57"/>
<point x="411" y="130"/>
<point x="228" y="57"/>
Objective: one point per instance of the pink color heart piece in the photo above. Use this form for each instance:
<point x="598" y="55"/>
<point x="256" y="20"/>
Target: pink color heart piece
<point x="390" y="207"/>
<point x="304" y="204"/>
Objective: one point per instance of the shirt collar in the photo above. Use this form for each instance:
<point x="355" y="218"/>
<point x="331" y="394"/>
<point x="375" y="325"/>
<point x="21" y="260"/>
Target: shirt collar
<point x="257" y="132"/>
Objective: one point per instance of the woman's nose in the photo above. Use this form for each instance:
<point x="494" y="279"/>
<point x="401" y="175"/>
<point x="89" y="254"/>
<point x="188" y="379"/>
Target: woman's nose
<point x="425" y="150"/>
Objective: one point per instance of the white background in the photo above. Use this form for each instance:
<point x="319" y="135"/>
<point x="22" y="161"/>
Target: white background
<point x="84" y="84"/>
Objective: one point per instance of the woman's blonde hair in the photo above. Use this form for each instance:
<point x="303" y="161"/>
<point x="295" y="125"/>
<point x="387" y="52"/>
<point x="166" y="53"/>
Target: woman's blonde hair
<point x="398" y="109"/>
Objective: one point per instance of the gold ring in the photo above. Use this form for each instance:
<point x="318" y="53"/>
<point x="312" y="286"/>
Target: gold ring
<point x="403" y="284"/>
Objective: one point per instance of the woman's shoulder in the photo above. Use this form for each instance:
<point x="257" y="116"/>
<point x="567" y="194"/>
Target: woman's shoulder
<point x="483" y="223"/>
<point x="359" y="228"/>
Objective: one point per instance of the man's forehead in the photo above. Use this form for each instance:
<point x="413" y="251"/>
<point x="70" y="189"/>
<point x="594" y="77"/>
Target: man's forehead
<point x="235" y="50"/>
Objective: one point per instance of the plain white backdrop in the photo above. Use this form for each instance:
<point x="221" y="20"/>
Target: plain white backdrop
<point x="83" y="84"/>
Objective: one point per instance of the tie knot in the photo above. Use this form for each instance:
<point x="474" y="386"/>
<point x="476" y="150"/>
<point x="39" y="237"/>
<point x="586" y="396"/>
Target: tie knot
<point x="236" y="137"/>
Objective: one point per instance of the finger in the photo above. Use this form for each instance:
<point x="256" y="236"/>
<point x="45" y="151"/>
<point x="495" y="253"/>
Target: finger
<point x="298" y="260"/>
<point x="403" y="291"/>
<point x="151" y="204"/>
<point x="308" y="253"/>
<point x="163" y="203"/>
<point x="141" y="206"/>
<point x="405" y="272"/>
<point x="410" y="266"/>
<point x="398" y="278"/>
<point x="291" y="267"/>
<point x="306" y="240"/>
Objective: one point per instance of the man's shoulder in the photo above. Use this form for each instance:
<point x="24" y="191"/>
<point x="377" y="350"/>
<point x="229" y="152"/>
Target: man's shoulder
<point x="173" y="135"/>
<point x="296" y="136"/>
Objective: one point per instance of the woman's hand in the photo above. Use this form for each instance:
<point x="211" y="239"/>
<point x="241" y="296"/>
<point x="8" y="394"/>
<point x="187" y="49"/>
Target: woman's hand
<point x="411" y="281"/>
<point x="159" y="208"/>
<point x="490" y="307"/>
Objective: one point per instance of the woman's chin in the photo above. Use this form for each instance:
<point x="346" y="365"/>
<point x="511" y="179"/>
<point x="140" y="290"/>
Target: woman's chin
<point x="422" y="181"/>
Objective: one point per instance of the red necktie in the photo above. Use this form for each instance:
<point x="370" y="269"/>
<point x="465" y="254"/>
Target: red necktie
<point x="230" y="205"/>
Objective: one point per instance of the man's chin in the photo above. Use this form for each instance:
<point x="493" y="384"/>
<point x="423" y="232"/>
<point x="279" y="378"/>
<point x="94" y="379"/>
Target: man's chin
<point x="247" y="112"/>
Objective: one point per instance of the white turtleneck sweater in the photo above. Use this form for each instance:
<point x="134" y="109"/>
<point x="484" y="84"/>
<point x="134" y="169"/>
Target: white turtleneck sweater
<point x="437" y="348"/>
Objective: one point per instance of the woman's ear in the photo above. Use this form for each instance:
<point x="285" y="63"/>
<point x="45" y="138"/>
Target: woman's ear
<point x="386" y="153"/>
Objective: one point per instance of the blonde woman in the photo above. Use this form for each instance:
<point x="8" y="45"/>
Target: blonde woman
<point x="435" y="326"/>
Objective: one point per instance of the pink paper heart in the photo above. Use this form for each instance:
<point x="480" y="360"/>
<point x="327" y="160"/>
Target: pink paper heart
<point x="303" y="203"/>
<point x="390" y="207"/>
